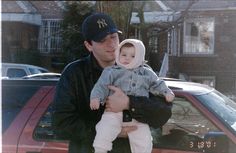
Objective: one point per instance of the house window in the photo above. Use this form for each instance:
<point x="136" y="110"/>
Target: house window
<point x="199" y="36"/>
<point x="153" y="44"/>
<point x="50" y="36"/>
<point x="208" y="80"/>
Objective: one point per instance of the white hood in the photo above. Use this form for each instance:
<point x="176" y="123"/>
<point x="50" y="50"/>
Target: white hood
<point x="139" y="58"/>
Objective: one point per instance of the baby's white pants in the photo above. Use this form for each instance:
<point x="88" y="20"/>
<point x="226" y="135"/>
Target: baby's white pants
<point x="110" y="126"/>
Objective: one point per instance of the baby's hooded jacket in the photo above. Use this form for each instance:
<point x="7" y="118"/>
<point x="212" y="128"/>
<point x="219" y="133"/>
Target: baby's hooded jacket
<point x="139" y="58"/>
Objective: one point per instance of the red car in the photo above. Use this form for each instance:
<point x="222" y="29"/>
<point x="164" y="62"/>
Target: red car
<point x="203" y="120"/>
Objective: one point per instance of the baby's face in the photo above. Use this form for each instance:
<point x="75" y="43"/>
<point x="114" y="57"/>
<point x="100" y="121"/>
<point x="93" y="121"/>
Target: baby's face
<point x="127" y="55"/>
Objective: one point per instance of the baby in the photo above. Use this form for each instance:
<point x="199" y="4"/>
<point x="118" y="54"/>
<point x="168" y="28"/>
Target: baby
<point x="133" y="77"/>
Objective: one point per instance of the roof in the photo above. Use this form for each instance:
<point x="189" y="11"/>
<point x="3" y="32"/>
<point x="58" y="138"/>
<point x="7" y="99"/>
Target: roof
<point x="169" y="10"/>
<point x="151" y="17"/>
<point x="17" y="7"/>
<point x="201" y="4"/>
<point x="31" y="11"/>
<point x="49" y="9"/>
<point x="20" y="11"/>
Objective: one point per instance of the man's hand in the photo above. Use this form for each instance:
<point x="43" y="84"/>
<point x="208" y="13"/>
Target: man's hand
<point x="125" y="130"/>
<point x="118" y="101"/>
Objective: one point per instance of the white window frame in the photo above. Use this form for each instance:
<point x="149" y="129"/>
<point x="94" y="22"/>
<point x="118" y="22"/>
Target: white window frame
<point x="50" y="36"/>
<point x="153" y="41"/>
<point x="200" y="40"/>
<point x="207" y="80"/>
<point x="174" y="49"/>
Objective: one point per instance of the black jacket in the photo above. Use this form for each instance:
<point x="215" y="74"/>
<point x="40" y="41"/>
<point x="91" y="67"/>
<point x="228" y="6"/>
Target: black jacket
<point x="74" y="120"/>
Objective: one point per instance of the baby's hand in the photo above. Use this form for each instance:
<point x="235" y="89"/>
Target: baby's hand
<point x="94" y="104"/>
<point x="170" y="97"/>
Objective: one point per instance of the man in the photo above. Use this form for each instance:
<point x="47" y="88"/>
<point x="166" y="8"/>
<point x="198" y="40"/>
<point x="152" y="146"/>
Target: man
<point x="73" y="117"/>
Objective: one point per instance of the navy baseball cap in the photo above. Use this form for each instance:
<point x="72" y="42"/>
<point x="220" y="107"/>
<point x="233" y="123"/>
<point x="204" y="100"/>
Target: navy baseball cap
<point x="97" y="26"/>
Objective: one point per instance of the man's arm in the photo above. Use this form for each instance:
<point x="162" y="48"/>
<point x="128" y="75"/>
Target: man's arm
<point x="153" y="111"/>
<point x="65" y="118"/>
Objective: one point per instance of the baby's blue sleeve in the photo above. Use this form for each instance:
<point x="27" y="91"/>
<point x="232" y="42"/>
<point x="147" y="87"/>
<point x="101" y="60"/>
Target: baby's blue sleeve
<point x="157" y="86"/>
<point x="100" y="89"/>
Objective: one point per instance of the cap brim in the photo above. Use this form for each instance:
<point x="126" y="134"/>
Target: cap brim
<point x="103" y="34"/>
<point x="120" y="32"/>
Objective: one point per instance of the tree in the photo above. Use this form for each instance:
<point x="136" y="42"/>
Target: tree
<point x="77" y="11"/>
<point x="143" y="29"/>
<point x="120" y="11"/>
<point x="73" y="46"/>
<point x="161" y="27"/>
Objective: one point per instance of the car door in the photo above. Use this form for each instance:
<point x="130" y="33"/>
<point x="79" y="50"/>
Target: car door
<point x="188" y="129"/>
<point x="37" y="136"/>
<point x="19" y="101"/>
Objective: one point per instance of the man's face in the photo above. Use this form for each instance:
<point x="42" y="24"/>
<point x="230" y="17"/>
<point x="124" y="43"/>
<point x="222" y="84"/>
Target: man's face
<point x="104" y="51"/>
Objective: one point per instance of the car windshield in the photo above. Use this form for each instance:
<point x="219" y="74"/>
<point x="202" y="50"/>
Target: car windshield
<point x="222" y="106"/>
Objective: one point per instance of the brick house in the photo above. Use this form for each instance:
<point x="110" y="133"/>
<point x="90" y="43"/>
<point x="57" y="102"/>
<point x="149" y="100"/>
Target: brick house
<point x="201" y="46"/>
<point x="210" y="26"/>
<point x="32" y="26"/>
<point x="20" y="28"/>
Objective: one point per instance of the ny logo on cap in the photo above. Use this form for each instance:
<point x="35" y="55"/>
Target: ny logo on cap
<point x="101" y="23"/>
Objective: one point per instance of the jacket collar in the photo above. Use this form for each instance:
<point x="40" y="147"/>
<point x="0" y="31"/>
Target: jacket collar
<point x="94" y="63"/>
<point x="94" y="70"/>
